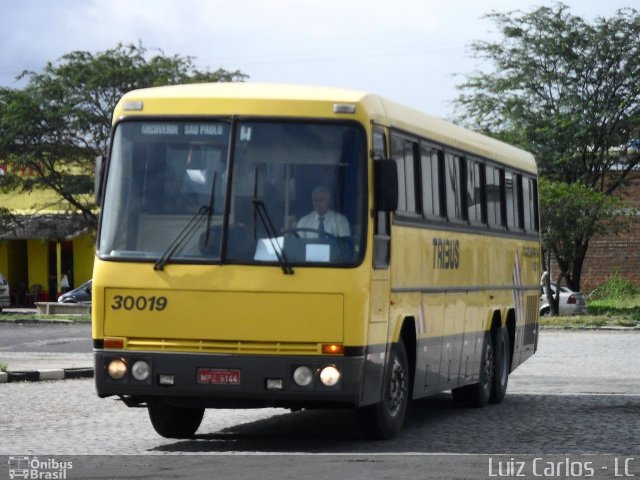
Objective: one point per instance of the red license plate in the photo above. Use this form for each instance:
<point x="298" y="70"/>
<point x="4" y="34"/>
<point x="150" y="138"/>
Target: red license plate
<point x="218" y="376"/>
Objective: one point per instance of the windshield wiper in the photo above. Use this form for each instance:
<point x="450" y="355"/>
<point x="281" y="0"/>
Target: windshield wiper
<point x="265" y="219"/>
<point x="184" y="234"/>
<point x="188" y="229"/>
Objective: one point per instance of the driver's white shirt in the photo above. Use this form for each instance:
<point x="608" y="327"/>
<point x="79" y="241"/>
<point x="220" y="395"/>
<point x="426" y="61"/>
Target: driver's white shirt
<point x="334" y="224"/>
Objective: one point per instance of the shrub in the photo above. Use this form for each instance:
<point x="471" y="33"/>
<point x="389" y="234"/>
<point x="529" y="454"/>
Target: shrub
<point x="615" y="287"/>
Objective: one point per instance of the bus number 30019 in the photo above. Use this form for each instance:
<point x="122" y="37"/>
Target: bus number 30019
<point x="129" y="302"/>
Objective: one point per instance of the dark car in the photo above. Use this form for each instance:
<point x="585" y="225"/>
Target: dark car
<point x="5" y="295"/>
<point x="82" y="294"/>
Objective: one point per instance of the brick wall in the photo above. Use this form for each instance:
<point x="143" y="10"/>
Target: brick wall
<point x="616" y="253"/>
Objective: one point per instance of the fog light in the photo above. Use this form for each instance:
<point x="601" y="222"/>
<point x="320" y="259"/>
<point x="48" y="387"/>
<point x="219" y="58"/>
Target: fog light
<point x="329" y="376"/>
<point x="117" y="368"/>
<point x="274" y="384"/>
<point x="303" y="376"/>
<point x="140" y="370"/>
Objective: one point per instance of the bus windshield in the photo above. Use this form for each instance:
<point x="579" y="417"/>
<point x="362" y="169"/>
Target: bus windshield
<point x="246" y="192"/>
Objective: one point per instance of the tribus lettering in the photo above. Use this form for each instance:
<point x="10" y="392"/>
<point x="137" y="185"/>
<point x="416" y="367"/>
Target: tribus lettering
<point x="446" y="254"/>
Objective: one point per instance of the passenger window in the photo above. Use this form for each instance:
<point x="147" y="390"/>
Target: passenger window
<point x="405" y="152"/>
<point x="432" y="162"/>
<point x="453" y="180"/>
<point x="493" y="193"/>
<point x="513" y="190"/>
<point x="475" y="192"/>
<point x="530" y="204"/>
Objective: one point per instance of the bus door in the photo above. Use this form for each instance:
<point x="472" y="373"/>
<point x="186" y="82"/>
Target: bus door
<point x="380" y="288"/>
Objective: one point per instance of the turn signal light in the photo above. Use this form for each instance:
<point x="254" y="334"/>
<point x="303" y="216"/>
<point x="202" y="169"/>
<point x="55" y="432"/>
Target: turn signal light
<point x="332" y="349"/>
<point x="114" y="343"/>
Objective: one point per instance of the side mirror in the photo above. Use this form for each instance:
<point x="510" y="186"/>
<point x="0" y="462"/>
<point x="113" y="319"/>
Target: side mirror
<point x="98" y="179"/>
<point x="385" y="184"/>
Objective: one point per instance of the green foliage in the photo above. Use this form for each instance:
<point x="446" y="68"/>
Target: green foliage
<point x="562" y="88"/>
<point x="570" y="214"/>
<point x="61" y="120"/>
<point x="614" y="303"/>
<point x="3" y="367"/>
<point x="7" y="220"/>
<point x="568" y="91"/>
<point x="615" y="289"/>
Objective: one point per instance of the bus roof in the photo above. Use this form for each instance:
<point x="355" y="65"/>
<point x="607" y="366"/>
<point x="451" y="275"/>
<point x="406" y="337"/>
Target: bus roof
<point x="240" y="98"/>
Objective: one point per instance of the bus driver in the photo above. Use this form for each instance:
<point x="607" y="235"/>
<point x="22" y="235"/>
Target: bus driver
<point x="323" y="219"/>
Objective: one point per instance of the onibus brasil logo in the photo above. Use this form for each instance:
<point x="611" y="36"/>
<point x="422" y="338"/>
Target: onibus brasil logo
<point x="37" y="468"/>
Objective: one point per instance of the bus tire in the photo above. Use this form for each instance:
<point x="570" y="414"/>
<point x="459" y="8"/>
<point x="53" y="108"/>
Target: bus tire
<point x="478" y="394"/>
<point x="501" y="368"/>
<point x="175" y="422"/>
<point x="384" y="420"/>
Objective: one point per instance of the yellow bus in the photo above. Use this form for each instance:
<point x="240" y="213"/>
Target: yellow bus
<point x="306" y="247"/>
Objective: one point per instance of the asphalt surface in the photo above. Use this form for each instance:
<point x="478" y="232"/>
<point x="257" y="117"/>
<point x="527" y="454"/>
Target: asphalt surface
<point x="53" y="350"/>
<point x="574" y="403"/>
<point x="32" y="351"/>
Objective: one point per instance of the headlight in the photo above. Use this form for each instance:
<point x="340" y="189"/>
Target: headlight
<point x="117" y="368"/>
<point x="303" y="376"/>
<point x="140" y="370"/>
<point x="330" y="376"/>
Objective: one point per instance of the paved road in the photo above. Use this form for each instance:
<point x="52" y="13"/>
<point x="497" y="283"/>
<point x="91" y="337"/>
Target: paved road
<point x="42" y="346"/>
<point x="580" y="395"/>
<point x="51" y="338"/>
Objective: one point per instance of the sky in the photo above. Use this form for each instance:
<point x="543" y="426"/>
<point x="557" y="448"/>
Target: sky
<point x="411" y="51"/>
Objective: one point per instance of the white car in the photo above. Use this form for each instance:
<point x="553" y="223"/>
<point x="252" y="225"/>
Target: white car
<point x="571" y="303"/>
<point x="5" y="294"/>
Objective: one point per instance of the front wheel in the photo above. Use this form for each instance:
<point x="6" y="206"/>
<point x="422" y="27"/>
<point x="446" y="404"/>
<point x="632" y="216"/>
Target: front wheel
<point x="384" y="420"/>
<point x="175" y="422"/>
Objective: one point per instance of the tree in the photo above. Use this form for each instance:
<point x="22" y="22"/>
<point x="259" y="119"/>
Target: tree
<point x="570" y="215"/>
<point x="59" y="123"/>
<point x="567" y="91"/>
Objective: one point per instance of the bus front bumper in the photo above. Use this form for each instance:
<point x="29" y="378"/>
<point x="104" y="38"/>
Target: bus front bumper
<point x="229" y="381"/>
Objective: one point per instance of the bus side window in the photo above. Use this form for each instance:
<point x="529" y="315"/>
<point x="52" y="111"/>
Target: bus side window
<point x="494" y="183"/>
<point x="513" y="190"/>
<point x="454" y="190"/>
<point x="475" y="192"/>
<point x="406" y="154"/>
<point x="530" y="204"/>
<point x="431" y="173"/>
<point x="382" y="227"/>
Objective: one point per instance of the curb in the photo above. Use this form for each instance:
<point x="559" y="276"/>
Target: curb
<point x="46" y="374"/>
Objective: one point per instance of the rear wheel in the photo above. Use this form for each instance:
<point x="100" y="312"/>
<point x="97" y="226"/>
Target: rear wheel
<point x="175" y="422"/>
<point x="478" y="394"/>
<point x="384" y="420"/>
<point x="502" y="364"/>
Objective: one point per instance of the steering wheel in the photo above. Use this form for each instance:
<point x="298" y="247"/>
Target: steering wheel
<point x="295" y="232"/>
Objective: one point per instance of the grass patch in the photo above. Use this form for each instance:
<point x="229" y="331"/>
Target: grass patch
<point x="615" y="303"/>
<point x="616" y="289"/>
<point x="39" y="317"/>
<point x="589" y="321"/>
